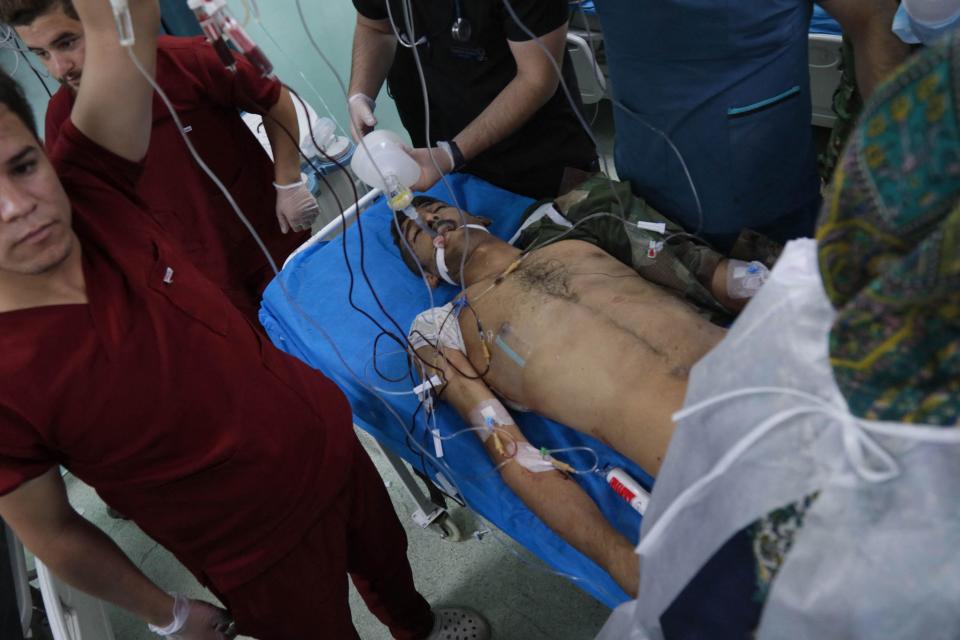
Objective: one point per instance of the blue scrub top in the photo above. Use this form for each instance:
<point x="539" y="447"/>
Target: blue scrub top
<point x="727" y="81"/>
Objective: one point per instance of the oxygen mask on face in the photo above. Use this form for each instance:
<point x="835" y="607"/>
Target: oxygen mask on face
<point x="382" y="162"/>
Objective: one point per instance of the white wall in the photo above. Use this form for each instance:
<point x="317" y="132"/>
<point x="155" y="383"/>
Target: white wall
<point x="32" y="87"/>
<point x="331" y="22"/>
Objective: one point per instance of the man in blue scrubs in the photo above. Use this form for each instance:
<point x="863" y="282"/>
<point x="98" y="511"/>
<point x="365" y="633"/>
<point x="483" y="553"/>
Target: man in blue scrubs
<point x="727" y="81"/>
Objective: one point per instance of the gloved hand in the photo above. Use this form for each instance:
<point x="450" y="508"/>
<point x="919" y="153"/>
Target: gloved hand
<point x="197" y="620"/>
<point x="426" y="158"/>
<point x="296" y="206"/>
<point x="362" y="120"/>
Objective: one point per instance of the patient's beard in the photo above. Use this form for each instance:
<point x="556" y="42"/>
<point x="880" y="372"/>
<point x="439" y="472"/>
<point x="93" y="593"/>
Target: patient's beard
<point x="455" y="252"/>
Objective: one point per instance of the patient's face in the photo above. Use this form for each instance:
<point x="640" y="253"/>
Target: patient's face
<point x="444" y="220"/>
<point x="420" y="242"/>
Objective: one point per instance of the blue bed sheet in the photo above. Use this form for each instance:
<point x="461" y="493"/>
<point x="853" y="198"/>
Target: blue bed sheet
<point x="318" y="281"/>
<point x="821" y="22"/>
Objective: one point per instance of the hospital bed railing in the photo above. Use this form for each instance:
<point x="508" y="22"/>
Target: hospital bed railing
<point x="591" y="77"/>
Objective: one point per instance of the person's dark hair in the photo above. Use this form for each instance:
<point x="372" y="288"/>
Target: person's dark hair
<point x="21" y="13"/>
<point x="408" y="258"/>
<point x="11" y="96"/>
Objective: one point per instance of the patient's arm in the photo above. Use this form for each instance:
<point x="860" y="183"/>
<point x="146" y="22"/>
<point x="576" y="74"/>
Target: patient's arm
<point x="558" y="501"/>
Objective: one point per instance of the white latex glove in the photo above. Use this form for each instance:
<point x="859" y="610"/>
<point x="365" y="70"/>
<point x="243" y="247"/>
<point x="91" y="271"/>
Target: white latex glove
<point x="197" y="620"/>
<point x="362" y="120"/>
<point x="296" y="206"/>
<point x="429" y="175"/>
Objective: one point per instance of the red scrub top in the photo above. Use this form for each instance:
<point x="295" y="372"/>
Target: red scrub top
<point x="182" y="199"/>
<point x="162" y="395"/>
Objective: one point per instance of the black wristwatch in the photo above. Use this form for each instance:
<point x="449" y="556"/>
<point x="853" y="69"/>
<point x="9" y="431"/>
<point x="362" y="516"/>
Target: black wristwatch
<point x="458" y="160"/>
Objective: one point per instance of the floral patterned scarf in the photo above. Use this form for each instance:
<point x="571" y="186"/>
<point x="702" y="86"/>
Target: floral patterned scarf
<point x="889" y="243"/>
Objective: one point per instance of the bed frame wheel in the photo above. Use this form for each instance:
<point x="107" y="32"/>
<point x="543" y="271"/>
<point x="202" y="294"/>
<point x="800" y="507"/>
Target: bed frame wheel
<point x="447" y="528"/>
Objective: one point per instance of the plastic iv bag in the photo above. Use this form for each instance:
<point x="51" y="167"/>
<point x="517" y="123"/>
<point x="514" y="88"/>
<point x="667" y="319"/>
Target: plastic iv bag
<point x="764" y="425"/>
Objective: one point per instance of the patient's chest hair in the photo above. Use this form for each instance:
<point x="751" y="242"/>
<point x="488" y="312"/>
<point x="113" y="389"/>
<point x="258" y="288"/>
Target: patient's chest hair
<point x="548" y="276"/>
<point x="551" y="277"/>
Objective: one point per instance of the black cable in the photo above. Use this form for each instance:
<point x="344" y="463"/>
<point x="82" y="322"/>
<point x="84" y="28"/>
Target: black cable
<point x="403" y="343"/>
<point x="410" y="435"/>
<point x="22" y="51"/>
<point x="422" y="471"/>
<point x="310" y="161"/>
<point x="45" y="87"/>
<point x="376" y="342"/>
<point x="363" y="269"/>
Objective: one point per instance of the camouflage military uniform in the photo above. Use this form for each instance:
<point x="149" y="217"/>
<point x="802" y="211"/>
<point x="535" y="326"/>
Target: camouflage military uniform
<point x="609" y="213"/>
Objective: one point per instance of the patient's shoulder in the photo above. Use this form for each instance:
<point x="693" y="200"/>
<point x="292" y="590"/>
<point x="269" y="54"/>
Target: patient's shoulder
<point x="572" y="250"/>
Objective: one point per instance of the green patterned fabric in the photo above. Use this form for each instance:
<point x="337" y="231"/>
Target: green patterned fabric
<point x="889" y="244"/>
<point x="773" y="538"/>
<point x="681" y="262"/>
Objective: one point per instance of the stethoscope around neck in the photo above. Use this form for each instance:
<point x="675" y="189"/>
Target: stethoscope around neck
<point x="460" y="30"/>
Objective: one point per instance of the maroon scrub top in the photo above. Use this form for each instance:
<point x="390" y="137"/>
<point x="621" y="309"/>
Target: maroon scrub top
<point x="164" y="397"/>
<point x="181" y="198"/>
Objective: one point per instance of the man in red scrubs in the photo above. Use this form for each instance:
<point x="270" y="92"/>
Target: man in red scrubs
<point x="125" y="364"/>
<point x="182" y="199"/>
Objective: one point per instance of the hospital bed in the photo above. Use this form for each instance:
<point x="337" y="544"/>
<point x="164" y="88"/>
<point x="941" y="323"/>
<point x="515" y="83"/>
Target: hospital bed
<point x="310" y="302"/>
<point x="585" y="47"/>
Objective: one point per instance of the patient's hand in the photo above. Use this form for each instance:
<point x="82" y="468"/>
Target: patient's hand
<point x="735" y="282"/>
<point x="718" y="287"/>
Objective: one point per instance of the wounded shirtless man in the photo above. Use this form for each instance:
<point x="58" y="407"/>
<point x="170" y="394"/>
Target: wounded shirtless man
<point x="564" y="330"/>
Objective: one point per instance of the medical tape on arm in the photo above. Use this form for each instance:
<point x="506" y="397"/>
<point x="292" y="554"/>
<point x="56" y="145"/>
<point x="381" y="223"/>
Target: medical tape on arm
<point x="488" y="415"/>
<point x="536" y="460"/>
